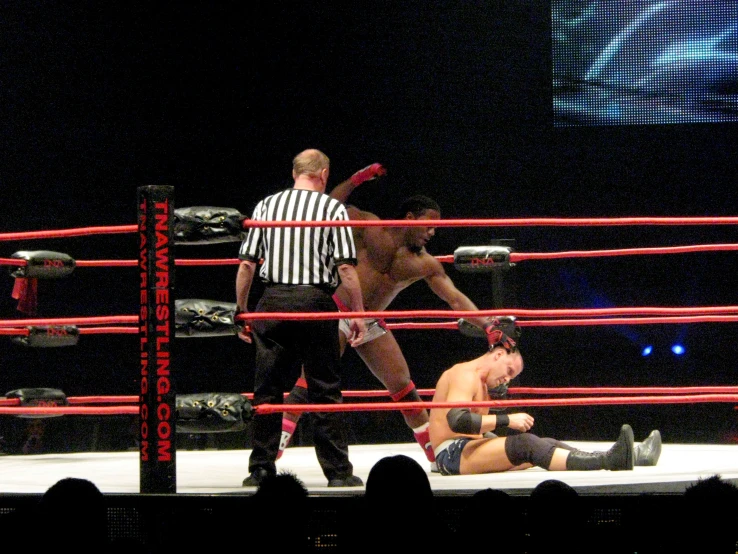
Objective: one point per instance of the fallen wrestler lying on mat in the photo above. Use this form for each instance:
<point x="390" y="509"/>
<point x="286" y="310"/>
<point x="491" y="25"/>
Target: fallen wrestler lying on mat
<point x="464" y="441"/>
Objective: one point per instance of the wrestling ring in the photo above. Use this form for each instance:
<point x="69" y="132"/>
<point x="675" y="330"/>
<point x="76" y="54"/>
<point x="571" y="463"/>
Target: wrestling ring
<point x="159" y="467"/>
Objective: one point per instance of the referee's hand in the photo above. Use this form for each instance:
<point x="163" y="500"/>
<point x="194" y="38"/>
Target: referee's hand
<point x="245" y="334"/>
<point x="358" y="329"/>
<point x="244" y="326"/>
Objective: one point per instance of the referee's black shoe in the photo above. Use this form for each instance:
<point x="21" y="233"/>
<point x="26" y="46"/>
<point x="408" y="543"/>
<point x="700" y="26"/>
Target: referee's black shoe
<point x="350" y="481"/>
<point x="256" y="477"/>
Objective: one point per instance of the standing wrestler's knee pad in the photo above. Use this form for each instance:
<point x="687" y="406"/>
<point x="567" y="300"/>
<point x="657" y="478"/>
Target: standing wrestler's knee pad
<point x="407" y="394"/>
<point x="527" y="448"/>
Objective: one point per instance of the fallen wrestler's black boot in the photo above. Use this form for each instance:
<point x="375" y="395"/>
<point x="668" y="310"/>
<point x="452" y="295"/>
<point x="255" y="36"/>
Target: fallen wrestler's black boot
<point x="648" y="452"/>
<point x="619" y="457"/>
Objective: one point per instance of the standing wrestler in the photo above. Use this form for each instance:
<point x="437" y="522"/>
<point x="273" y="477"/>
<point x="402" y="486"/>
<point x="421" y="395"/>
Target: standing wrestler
<point x="459" y="434"/>
<point x="301" y="267"/>
<point x="390" y="259"/>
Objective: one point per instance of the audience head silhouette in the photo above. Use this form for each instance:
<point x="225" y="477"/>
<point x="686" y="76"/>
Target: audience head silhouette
<point x="554" y="508"/>
<point x="277" y="493"/>
<point x="284" y="486"/>
<point x="476" y="518"/>
<point x="711" y="505"/>
<point x="75" y="509"/>
<point x="398" y="477"/>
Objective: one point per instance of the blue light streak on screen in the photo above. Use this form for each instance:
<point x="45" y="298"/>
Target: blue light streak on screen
<point x="622" y="62"/>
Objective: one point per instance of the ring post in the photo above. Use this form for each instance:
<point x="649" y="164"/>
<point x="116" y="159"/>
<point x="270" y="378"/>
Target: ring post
<point x="503" y="296"/>
<point x="156" y="334"/>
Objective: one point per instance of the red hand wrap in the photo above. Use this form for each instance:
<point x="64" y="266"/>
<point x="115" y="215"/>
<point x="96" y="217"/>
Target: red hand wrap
<point x="369" y="172"/>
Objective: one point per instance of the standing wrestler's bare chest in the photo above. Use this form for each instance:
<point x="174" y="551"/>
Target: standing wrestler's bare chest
<point x="384" y="272"/>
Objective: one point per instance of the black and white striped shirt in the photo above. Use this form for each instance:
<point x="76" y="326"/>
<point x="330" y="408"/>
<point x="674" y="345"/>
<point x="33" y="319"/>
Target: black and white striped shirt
<point x="299" y="255"/>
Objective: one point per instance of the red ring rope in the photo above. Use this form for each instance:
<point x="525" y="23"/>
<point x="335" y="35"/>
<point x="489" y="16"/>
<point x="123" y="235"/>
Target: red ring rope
<point x="539" y="402"/>
<point x="521" y="222"/>
<point x="521" y="256"/>
<point x="580" y="322"/>
<point x="515" y="257"/>
<point x="8" y="331"/>
<point x="69" y="410"/>
<point x="265" y="408"/>
<point x="62" y="233"/>
<point x="706" y="313"/>
<point x="129" y="399"/>
<point x="394" y="406"/>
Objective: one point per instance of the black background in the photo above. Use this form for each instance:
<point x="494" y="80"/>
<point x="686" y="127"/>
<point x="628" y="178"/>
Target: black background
<point x="454" y="98"/>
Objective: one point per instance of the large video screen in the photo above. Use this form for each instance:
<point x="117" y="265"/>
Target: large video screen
<point x="626" y="62"/>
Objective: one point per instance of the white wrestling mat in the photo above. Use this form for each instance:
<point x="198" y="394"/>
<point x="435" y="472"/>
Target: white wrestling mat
<point x="222" y="471"/>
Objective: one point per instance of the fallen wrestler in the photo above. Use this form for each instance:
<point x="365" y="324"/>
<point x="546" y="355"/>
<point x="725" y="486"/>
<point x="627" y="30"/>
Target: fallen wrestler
<point x="390" y="259"/>
<point x="464" y="441"/>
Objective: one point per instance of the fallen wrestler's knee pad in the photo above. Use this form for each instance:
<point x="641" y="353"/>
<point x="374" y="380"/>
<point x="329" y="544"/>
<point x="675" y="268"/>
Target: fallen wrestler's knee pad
<point x="526" y="448"/>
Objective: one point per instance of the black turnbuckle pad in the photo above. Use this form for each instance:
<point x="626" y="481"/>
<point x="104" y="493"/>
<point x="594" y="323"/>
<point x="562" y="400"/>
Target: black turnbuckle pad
<point x="470" y="330"/>
<point x="204" y="318"/>
<point x="481" y="259"/>
<point x="49" y="336"/>
<point x="212" y="412"/>
<point x="43" y="264"/>
<point x="207" y="225"/>
<point x="41" y="398"/>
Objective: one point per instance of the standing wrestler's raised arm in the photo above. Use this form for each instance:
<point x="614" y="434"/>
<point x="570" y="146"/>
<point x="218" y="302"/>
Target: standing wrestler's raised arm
<point x="343" y="190"/>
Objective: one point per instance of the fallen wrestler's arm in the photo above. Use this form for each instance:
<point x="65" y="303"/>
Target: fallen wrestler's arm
<point x="467" y="422"/>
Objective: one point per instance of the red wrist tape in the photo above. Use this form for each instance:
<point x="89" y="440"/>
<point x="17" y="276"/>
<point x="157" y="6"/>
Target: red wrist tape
<point x="369" y="172"/>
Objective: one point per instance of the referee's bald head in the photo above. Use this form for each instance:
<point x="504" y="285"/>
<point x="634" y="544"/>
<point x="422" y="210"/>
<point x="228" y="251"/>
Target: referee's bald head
<point x="310" y="162"/>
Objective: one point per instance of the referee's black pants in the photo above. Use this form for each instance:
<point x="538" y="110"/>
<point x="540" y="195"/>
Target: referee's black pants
<point x="281" y="347"/>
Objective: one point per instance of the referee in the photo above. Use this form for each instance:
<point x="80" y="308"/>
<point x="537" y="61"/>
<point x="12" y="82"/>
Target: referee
<point x="300" y="270"/>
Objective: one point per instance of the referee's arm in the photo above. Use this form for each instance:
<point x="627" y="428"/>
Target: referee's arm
<point x="350" y="281"/>
<point x="244" y="278"/>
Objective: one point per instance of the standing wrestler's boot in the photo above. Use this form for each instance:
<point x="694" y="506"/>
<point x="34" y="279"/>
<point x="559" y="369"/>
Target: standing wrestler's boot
<point x="619" y="457"/>
<point x="298" y="395"/>
<point x="647" y="453"/>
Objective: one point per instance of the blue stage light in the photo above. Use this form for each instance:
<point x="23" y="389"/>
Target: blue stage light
<point x="678" y="349"/>
<point x="647" y="350"/>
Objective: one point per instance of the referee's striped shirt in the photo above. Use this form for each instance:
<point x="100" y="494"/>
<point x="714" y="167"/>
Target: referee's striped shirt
<point x="299" y="255"/>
